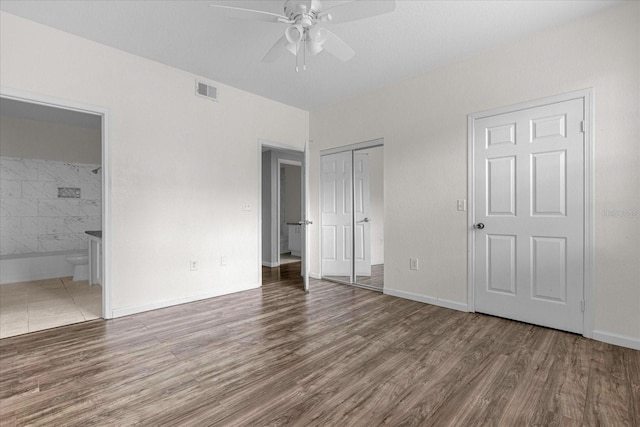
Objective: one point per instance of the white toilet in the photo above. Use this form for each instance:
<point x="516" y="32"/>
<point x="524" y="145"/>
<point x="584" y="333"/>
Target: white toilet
<point x="80" y="266"/>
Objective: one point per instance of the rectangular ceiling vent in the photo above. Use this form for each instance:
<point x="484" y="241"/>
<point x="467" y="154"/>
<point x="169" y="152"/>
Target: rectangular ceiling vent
<point x="204" y="90"/>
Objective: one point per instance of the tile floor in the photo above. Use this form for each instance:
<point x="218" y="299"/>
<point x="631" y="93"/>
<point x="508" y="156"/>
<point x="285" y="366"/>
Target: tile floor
<point x="288" y="258"/>
<point x="43" y="304"/>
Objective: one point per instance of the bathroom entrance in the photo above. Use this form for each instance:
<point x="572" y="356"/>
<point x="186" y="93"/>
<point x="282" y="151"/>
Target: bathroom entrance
<point x="283" y="226"/>
<point x="51" y="182"/>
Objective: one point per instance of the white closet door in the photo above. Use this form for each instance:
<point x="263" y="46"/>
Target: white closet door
<point x="362" y="204"/>
<point x="336" y="214"/>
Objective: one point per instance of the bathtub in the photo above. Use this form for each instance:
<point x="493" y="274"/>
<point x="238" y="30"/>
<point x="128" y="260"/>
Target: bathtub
<point x="36" y="266"/>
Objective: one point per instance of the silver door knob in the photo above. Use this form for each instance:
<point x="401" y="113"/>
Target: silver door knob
<point x="305" y="222"/>
<point x="366" y="220"/>
<point x="479" y="226"/>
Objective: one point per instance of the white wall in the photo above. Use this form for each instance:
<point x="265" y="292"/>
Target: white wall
<point x="181" y="165"/>
<point x="423" y="121"/>
<point x="37" y="139"/>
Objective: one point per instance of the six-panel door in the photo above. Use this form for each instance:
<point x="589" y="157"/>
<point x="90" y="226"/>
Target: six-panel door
<point x="529" y="195"/>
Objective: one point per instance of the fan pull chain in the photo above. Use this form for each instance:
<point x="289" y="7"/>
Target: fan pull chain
<point x="297" y="50"/>
<point x="304" y="52"/>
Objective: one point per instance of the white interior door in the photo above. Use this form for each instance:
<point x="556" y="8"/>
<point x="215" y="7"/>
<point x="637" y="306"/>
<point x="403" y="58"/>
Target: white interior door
<point x="362" y="202"/>
<point x="529" y="202"/>
<point x="336" y="214"/>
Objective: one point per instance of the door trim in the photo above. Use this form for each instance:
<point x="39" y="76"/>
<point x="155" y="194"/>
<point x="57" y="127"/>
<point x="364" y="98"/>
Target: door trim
<point x="37" y="98"/>
<point x="589" y="232"/>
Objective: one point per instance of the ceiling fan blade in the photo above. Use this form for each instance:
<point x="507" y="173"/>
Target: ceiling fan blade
<point x="358" y="9"/>
<point x="277" y="50"/>
<point x="336" y="46"/>
<point x="256" y="15"/>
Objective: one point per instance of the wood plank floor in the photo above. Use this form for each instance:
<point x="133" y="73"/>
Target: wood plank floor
<point x="337" y="356"/>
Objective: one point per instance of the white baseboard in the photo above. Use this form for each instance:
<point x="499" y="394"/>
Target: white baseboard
<point x="315" y="276"/>
<point x="127" y="311"/>
<point x="454" y="305"/>
<point x="427" y="299"/>
<point x="616" y="339"/>
<point x="410" y="295"/>
<point x="270" y="264"/>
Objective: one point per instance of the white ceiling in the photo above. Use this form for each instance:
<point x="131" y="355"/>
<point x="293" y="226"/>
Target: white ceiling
<point x="417" y="37"/>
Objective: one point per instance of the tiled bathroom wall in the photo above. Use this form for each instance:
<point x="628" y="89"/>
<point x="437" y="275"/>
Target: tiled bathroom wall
<point x="46" y="206"/>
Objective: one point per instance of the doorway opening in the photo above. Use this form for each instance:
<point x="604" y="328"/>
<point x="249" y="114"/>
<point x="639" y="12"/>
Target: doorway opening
<point x="290" y="211"/>
<point x="52" y="180"/>
<point x="352" y="214"/>
<point x="282" y="211"/>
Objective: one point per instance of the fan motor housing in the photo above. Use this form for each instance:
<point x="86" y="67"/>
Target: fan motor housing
<point x="303" y="12"/>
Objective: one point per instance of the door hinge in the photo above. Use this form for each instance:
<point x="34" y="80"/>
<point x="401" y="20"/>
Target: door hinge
<point x="582" y="306"/>
<point x="582" y="126"/>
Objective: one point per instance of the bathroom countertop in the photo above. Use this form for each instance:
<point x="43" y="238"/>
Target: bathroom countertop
<point x="97" y="233"/>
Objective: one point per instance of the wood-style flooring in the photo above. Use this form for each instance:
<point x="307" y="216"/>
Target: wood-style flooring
<point x="336" y="356"/>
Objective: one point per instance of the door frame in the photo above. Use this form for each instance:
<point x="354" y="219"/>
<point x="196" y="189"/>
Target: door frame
<point x="587" y="96"/>
<point x="272" y="145"/>
<point x="373" y="143"/>
<point x="65" y="104"/>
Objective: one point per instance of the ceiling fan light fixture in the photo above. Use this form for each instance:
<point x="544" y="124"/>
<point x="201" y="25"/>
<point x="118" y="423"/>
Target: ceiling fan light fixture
<point x="313" y="47"/>
<point x="318" y="35"/>
<point x="294" y="33"/>
<point x="304" y="35"/>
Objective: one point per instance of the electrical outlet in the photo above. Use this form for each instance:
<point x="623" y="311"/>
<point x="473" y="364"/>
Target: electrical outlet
<point x="462" y="205"/>
<point x="413" y="263"/>
<point x="193" y="265"/>
<point x="223" y="261"/>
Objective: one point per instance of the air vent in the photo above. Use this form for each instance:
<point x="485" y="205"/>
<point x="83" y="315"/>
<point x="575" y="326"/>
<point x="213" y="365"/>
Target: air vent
<point x="204" y="90"/>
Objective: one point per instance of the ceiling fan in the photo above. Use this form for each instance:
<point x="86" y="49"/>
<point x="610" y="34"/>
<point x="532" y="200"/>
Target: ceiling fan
<point x="305" y="33"/>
